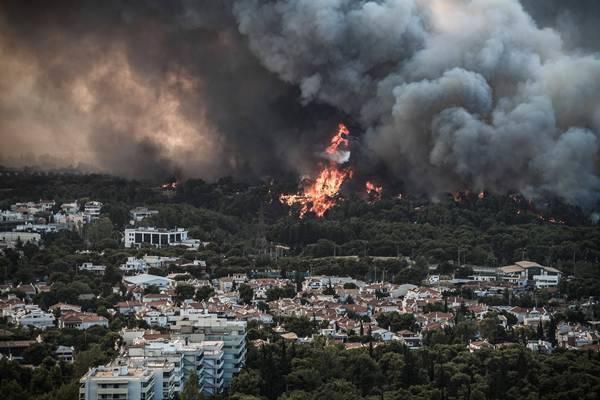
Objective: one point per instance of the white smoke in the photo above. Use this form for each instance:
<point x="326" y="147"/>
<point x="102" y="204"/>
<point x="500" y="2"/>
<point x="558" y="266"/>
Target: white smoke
<point x="452" y="94"/>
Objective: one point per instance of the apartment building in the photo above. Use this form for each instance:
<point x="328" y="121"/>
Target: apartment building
<point x="92" y="209"/>
<point x="137" y="237"/>
<point x="208" y="327"/>
<point x="166" y="363"/>
<point x="214" y="364"/>
<point x="203" y="360"/>
<point x="118" y="382"/>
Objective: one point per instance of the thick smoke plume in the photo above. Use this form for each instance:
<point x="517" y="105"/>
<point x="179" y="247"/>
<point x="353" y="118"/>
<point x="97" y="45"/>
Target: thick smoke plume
<point x="452" y="94"/>
<point x="446" y="95"/>
<point x="146" y="89"/>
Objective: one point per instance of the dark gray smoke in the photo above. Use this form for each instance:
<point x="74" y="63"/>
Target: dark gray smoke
<point x="577" y="21"/>
<point x="452" y="94"/>
<point x="146" y="88"/>
<point x="447" y="95"/>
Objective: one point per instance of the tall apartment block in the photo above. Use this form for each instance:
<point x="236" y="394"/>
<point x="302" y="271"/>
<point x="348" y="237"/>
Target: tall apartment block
<point x="208" y="327"/>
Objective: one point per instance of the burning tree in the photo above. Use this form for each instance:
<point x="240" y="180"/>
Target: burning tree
<point x="320" y="194"/>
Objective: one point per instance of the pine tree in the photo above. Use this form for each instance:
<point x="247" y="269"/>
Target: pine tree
<point x="540" y="330"/>
<point x="190" y="389"/>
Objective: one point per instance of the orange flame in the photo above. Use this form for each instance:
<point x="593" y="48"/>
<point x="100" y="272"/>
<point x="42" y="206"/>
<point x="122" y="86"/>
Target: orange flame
<point x="320" y="195"/>
<point x="338" y="139"/>
<point x="374" y="191"/>
<point x="373" y="188"/>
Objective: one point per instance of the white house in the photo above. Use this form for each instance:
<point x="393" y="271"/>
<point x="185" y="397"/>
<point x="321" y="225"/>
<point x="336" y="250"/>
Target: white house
<point x="70" y="208"/>
<point x="94" y="269"/>
<point x="145" y="280"/>
<point x="134" y="265"/>
<point x="91" y="210"/>
<point x="36" y="318"/>
<point x="64" y="353"/>
<point x="81" y="320"/>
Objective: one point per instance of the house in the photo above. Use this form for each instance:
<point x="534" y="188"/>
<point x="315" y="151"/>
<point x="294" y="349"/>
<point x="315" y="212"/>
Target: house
<point x="64" y="353"/>
<point x="28" y="289"/>
<point x="226" y="284"/>
<point x="195" y="264"/>
<point x="479" y="345"/>
<point x="94" y="269"/>
<point x="383" y="334"/>
<point x="423" y="293"/>
<point x="91" y="210"/>
<point x="36" y="318"/>
<point x="153" y="317"/>
<point x="576" y="336"/>
<point x="540" y="346"/>
<point x="146" y="280"/>
<point x="128" y="307"/>
<point x="81" y="320"/>
<point x="356" y="309"/>
<point x="64" y="307"/>
<point x="15" y="348"/>
<point x="410" y="339"/>
<point x="139" y="213"/>
<point x="134" y="265"/>
<point x="70" y="208"/>
<point x="159" y="261"/>
<point x="155" y="297"/>
<point x="401" y="290"/>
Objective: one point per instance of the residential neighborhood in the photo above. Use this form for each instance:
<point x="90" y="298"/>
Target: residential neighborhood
<point x="153" y="304"/>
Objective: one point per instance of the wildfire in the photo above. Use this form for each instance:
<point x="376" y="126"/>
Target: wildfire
<point x="338" y="139"/>
<point x="170" y="186"/>
<point x="373" y="190"/>
<point x="321" y="193"/>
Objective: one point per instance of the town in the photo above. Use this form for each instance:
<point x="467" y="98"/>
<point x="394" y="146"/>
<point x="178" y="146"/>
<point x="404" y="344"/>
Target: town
<point x="156" y="313"/>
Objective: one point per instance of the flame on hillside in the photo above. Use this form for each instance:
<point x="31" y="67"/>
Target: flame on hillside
<point x="169" y="186"/>
<point x="320" y="194"/>
<point x="373" y="191"/>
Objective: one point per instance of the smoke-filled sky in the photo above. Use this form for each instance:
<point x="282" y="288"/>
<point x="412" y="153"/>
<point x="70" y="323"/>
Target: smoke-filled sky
<point x="443" y="95"/>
